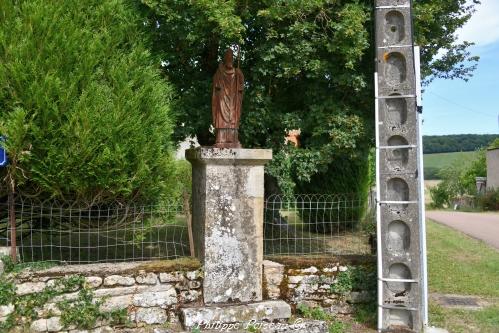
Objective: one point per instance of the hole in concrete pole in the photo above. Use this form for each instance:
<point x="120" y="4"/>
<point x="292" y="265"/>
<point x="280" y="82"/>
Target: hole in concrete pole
<point x="400" y="318"/>
<point x="399" y="157"/>
<point x="395" y="69"/>
<point x="399" y="237"/>
<point x="397" y="110"/>
<point x="397" y="190"/>
<point x="394" y="27"/>
<point x="399" y="271"/>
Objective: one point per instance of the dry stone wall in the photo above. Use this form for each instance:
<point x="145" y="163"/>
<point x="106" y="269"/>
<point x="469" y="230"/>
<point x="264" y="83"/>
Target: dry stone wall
<point x="332" y="284"/>
<point x="149" y="293"/>
<point x="153" y="294"/>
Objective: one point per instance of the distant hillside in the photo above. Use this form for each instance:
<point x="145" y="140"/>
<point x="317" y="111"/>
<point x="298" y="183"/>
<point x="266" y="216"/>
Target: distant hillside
<point x="433" y="163"/>
<point x="459" y="142"/>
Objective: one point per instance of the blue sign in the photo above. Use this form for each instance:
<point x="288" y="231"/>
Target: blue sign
<point x="3" y="155"/>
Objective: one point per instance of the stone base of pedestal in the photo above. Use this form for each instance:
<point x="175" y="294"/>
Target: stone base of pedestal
<point x="227" y="221"/>
<point x="242" y="314"/>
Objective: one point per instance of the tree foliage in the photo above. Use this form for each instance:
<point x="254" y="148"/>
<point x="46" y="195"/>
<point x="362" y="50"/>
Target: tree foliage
<point x="456" y="142"/>
<point x="83" y="106"/>
<point x="494" y="144"/>
<point x="459" y="179"/>
<point x="308" y="64"/>
<point x="436" y="23"/>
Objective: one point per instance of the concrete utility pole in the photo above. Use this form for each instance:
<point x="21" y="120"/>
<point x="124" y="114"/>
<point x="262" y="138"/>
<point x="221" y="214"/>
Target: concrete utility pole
<point x="402" y="289"/>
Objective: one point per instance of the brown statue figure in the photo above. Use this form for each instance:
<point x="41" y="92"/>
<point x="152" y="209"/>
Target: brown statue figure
<point x="226" y="103"/>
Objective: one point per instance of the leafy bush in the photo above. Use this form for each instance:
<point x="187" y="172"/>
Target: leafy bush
<point x="494" y="144"/>
<point x="357" y="278"/>
<point x="84" y="311"/>
<point x="439" y="196"/>
<point x="183" y="176"/>
<point x="84" y="108"/>
<point x="458" y="180"/>
<point x="489" y="200"/>
<point x="316" y="313"/>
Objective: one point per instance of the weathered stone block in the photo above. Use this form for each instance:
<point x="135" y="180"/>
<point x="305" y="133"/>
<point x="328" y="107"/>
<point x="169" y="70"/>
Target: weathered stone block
<point x="93" y="281"/>
<point x="274" y="274"/>
<point x="269" y="310"/>
<point x="116" y="303"/>
<point x="162" y="299"/>
<point x="128" y="290"/>
<point x="171" y="277"/>
<point x="118" y="280"/>
<point x="330" y="269"/>
<point x="6" y="310"/>
<point x="310" y="270"/>
<point x="190" y="296"/>
<point x="274" y="271"/>
<point x="149" y="278"/>
<point x="29" y="288"/>
<point x="228" y="220"/>
<point x="39" y="325"/>
<point x="151" y="316"/>
<point x="54" y="324"/>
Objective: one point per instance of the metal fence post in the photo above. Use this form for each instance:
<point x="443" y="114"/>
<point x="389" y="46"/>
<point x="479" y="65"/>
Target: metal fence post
<point x="12" y="223"/>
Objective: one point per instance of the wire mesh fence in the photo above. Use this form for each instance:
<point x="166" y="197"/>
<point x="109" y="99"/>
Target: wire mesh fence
<point x="110" y="233"/>
<point x="303" y="224"/>
<point x="318" y="224"/>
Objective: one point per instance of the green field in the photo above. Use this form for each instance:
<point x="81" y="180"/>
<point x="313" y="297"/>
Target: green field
<point x="434" y="162"/>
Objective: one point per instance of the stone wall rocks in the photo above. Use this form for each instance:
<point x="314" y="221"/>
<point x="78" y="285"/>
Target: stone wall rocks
<point x="149" y="297"/>
<point x="154" y="297"/>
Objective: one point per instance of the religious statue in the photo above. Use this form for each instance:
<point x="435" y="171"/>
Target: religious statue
<point x="226" y="103"/>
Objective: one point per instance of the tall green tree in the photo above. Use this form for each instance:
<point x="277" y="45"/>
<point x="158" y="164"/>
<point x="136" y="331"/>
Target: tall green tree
<point x="308" y="64"/>
<point x="83" y="105"/>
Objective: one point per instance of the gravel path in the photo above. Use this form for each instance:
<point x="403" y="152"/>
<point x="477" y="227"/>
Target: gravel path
<point x="484" y="226"/>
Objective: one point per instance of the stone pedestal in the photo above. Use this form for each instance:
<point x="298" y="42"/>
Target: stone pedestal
<point x="227" y="221"/>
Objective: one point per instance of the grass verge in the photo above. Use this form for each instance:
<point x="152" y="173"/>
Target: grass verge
<point x="458" y="264"/>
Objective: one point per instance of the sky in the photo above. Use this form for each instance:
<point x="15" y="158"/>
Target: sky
<point x="458" y="107"/>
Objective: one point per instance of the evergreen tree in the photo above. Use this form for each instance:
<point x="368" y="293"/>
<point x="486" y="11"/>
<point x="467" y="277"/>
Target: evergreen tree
<point x="84" y="109"/>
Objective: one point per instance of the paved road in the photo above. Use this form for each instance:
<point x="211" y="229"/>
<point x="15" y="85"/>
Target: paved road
<point x="484" y="226"/>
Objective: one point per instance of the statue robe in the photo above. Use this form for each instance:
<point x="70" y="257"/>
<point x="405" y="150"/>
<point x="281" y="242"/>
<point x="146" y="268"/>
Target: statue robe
<point x="228" y="86"/>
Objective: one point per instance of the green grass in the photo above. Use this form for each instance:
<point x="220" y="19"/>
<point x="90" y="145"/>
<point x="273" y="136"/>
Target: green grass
<point x="442" y="160"/>
<point x="435" y="162"/>
<point x="458" y="264"/>
<point x="465" y="321"/>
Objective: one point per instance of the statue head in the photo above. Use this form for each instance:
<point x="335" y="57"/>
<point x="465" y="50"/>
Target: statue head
<point x="228" y="58"/>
